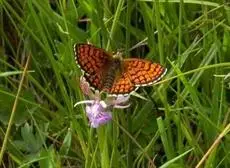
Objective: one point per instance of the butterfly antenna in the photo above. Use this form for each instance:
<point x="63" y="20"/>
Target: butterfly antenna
<point x="121" y="50"/>
<point x="141" y="43"/>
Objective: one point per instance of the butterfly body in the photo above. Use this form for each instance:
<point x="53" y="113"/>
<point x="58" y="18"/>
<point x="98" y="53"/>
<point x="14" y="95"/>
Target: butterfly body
<point x="110" y="74"/>
<point x="114" y="75"/>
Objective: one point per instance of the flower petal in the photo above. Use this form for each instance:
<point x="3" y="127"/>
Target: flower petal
<point x="96" y="114"/>
<point x="101" y="118"/>
<point x="84" y="85"/>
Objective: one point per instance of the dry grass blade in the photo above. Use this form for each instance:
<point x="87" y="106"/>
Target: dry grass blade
<point x="214" y="145"/>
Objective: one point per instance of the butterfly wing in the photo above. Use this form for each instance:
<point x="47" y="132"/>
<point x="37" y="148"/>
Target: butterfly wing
<point x="122" y="85"/>
<point x="92" y="60"/>
<point x="95" y="81"/>
<point x="95" y="62"/>
<point x="143" y="72"/>
<point x="135" y="73"/>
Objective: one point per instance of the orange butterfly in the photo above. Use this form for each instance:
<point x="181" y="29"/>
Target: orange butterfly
<point x="114" y="75"/>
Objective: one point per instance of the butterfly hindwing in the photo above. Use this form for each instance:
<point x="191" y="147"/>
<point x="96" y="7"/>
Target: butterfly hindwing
<point x="122" y="85"/>
<point x="143" y="72"/>
<point x="94" y="81"/>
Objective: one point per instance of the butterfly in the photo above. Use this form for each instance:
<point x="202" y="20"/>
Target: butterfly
<point x="114" y="75"/>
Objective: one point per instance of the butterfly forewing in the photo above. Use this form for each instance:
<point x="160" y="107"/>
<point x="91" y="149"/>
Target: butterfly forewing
<point x="91" y="59"/>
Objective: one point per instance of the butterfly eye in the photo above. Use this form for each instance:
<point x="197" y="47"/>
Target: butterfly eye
<point x="118" y="55"/>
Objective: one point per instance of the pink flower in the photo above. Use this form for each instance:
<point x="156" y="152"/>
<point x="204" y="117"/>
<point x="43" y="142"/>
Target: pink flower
<point x="99" y="111"/>
<point x="97" y="114"/>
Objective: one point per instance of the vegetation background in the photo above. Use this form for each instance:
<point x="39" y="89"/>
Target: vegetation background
<point x="183" y="123"/>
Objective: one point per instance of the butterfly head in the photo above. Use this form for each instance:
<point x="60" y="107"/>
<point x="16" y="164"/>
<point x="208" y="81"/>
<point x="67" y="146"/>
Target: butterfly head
<point x="118" y="56"/>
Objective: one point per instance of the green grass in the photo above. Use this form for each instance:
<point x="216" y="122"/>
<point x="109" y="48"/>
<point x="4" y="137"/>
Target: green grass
<point x="183" y="123"/>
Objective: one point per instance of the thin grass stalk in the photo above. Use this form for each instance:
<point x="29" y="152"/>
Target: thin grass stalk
<point x="214" y="145"/>
<point x="159" y="31"/>
<point x="206" y="67"/>
<point x="137" y="144"/>
<point x="179" y="136"/>
<point x="127" y="45"/>
<point x="127" y="25"/>
<point x="13" y="112"/>
<point x="103" y="146"/>
<point x="220" y="113"/>
<point x="161" y="55"/>
<point x="198" y="2"/>
<point x="115" y="141"/>
<point x="115" y="22"/>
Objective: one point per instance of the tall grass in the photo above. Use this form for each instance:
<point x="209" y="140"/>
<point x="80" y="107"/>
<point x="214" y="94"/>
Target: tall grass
<point x="184" y="121"/>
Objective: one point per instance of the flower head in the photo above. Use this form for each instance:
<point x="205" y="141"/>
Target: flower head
<point x="99" y="111"/>
<point x="97" y="114"/>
